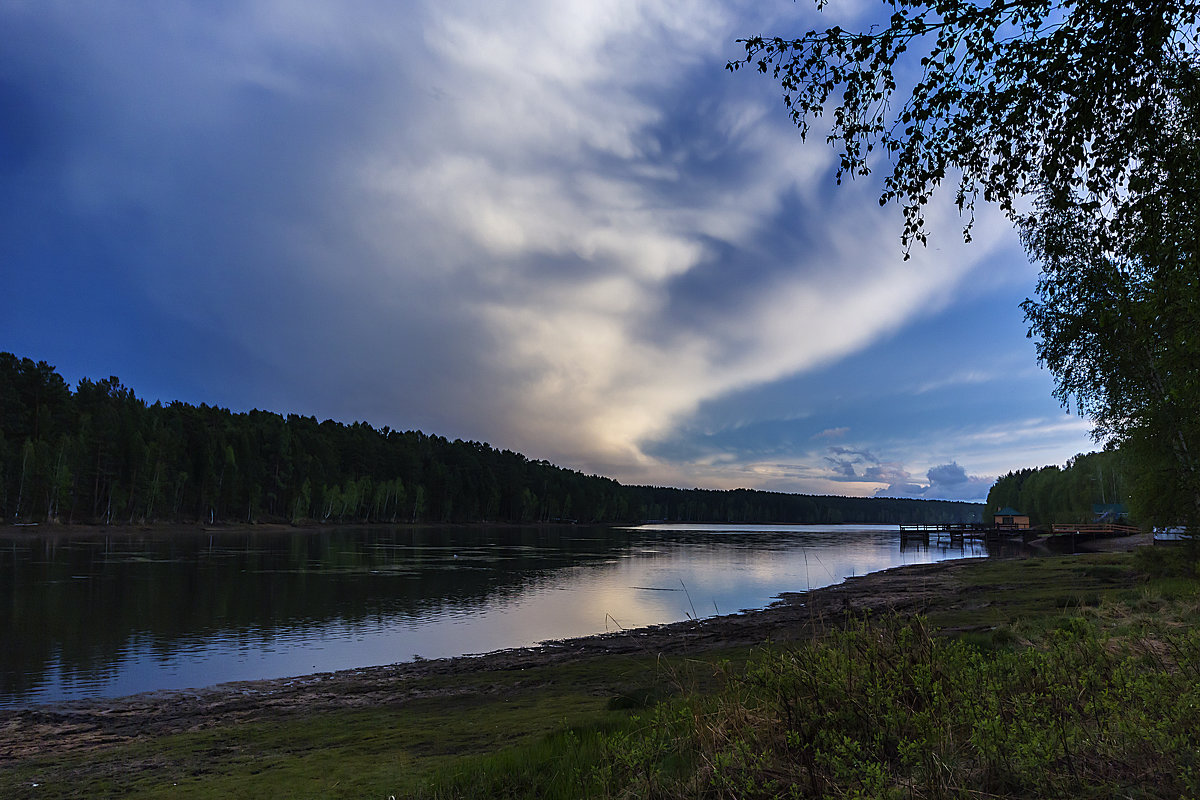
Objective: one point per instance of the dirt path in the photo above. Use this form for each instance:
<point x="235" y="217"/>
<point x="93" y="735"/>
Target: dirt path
<point x="86" y="725"/>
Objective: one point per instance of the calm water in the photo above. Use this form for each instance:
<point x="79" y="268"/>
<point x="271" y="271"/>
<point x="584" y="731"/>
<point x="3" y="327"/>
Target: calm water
<point x="102" y="616"/>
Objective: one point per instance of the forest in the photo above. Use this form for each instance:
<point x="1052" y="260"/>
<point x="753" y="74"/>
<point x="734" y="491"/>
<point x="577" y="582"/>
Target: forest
<point x="1066" y="494"/>
<point x="102" y="455"/>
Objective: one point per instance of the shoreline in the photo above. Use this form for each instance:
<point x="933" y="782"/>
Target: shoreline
<point x="88" y="724"/>
<point x="94" y="725"/>
<point x="33" y="529"/>
<point x="889" y="590"/>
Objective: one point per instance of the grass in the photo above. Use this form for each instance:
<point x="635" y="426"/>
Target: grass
<point x="888" y="709"/>
<point x="1050" y="677"/>
<point x="363" y="752"/>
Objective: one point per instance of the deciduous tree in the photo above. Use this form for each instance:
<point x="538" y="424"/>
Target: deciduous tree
<point x="1117" y="317"/>
<point x="1093" y="108"/>
<point x="1006" y="97"/>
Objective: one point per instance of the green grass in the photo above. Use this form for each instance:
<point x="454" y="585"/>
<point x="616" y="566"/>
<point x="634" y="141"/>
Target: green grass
<point x="1071" y="676"/>
<point x="889" y="709"/>
<point x="1035" y="590"/>
<point x="366" y="752"/>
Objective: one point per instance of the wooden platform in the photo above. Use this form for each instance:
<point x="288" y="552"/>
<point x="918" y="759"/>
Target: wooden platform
<point x="1083" y="530"/>
<point x="957" y="532"/>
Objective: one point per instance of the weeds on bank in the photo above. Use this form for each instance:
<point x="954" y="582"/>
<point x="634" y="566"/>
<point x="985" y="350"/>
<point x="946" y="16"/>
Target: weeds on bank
<point x="885" y="709"/>
<point x="889" y="709"/>
<point x="1181" y="561"/>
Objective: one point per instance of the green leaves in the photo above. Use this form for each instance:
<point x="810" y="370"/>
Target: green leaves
<point x="1013" y="94"/>
<point x="1092" y="107"/>
<point x="1118" y="302"/>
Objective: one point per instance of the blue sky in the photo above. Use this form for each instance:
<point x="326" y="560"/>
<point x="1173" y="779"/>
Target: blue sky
<point x="560" y="228"/>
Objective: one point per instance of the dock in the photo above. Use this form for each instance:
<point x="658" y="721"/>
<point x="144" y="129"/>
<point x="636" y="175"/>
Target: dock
<point x="953" y="532"/>
<point x="956" y="533"/>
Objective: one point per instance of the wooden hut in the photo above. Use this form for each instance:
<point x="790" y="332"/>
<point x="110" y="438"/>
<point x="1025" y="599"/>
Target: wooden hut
<point x="1009" y="519"/>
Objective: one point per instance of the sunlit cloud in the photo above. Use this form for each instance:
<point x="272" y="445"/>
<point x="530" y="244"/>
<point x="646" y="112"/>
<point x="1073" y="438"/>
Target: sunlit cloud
<point x="575" y="206"/>
<point x="560" y="228"/>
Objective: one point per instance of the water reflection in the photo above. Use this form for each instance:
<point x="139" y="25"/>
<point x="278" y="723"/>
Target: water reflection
<point x="105" y="616"/>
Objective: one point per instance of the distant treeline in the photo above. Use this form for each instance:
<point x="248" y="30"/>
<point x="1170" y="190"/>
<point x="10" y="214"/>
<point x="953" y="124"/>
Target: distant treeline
<point x="1062" y="494"/>
<point x="101" y="454"/>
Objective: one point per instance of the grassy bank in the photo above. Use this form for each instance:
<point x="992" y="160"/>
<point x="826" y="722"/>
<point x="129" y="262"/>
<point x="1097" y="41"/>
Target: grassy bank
<point x="1050" y="677"/>
<point x="1066" y="677"/>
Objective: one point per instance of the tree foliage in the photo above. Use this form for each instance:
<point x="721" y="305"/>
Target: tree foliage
<point x="1117" y="319"/>
<point x="1067" y="494"/>
<point x="1080" y="119"/>
<point x="1008" y="97"/>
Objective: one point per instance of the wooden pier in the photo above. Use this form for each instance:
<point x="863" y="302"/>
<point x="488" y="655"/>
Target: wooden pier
<point x="958" y="532"/>
<point x="955" y="533"/>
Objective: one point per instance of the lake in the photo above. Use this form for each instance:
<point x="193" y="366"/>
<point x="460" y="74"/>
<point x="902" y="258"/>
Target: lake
<point x="105" y="615"/>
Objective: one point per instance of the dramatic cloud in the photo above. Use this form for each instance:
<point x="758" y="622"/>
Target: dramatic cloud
<point x="951" y="482"/>
<point x="945" y="482"/>
<point x="560" y="228"/>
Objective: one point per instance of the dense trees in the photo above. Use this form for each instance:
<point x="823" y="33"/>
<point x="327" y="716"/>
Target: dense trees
<point x="101" y="454"/>
<point x="1118" y="312"/>
<point x="1063" y="494"/>
<point x="746" y="505"/>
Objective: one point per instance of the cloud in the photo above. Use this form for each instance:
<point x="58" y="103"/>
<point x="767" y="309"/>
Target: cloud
<point x="970" y="376"/>
<point x="560" y="228"/>
<point x="627" y="254"/>
<point x="945" y="482"/>
<point x="886" y="473"/>
<point x="843" y="467"/>
<point x="947" y="474"/>
<point x="951" y="482"/>
<point x="844" y="462"/>
<point x="853" y="454"/>
<point x="863" y="468"/>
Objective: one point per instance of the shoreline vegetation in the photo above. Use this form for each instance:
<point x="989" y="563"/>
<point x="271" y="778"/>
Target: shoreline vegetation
<point x="88" y="530"/>
<point x="701" y="708"/>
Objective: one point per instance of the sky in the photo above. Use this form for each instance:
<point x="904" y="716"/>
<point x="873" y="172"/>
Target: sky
<point x="563" y="229"/>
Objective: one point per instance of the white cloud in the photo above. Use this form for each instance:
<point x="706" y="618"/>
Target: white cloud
<point x="557" y="227"/>
<point x="560" y="202"/>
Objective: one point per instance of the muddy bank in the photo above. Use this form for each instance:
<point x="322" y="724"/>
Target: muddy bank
<point x="91" y="724"/>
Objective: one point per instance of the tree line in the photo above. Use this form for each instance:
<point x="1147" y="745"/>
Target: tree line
<point x="100" y="454"/>
<point x="1066" y="494"/>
